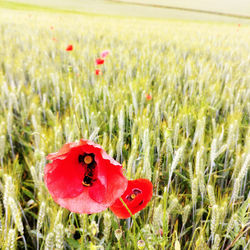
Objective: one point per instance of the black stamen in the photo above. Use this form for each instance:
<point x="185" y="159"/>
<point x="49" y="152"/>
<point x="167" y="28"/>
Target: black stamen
<point x="141" y="202"/>
<point x="81" y="158"/>
<point x="89" y="169"/>
<point x="129" y="198"/>
<point x="136" y="191"/>
<point x="92" y="165"/>
<point x="87" y="181"/>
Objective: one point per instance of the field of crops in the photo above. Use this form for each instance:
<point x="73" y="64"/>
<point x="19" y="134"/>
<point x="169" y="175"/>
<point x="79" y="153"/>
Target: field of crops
<point x="172" y="104"/>
<point x="126" y="8"/>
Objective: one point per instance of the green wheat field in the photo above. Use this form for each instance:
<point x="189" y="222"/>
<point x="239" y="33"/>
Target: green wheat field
<point x="192" y="139"/>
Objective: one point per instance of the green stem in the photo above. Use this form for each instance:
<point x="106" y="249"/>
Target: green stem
<point x="119" y="245"/>
<point x="125" y="205"/>
<point x="190" y="245"/>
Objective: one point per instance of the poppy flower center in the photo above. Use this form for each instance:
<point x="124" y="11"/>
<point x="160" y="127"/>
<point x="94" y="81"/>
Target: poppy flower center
<point x="88" y="161"/>
<point x="132" y="196"/>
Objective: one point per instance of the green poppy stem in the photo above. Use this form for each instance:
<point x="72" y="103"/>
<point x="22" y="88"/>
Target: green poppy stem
<point x="125" y="205"/>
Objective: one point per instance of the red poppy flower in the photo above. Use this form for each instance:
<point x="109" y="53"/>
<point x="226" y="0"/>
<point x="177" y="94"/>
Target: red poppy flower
<point x="137" y="195"/>
<point x="98" y="72"/>
<point x="148" y="97"/>
<point x="54" y="39"/>
<point x="69" y="48"/>
<point x="51" y="27"/>
<point x="99" y="61"/>
<point x="83" y="178"/>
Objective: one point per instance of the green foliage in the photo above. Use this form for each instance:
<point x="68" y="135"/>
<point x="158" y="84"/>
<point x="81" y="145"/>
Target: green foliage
<point x="192" y="139"/>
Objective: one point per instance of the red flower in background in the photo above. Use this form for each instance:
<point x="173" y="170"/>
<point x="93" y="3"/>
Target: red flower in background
<point x="137" y="195"/>
<point x="83" y="178"/>
<point x="99" y="61"/>
<point x="69" y="47"/>
<point x="98" y="72"/>
<point x="148" y="97"/>
<point x="51" y="27"/>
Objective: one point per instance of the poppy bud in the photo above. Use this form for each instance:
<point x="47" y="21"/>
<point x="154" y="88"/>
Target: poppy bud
<point x="118" y="234"/>
<point x="94" y="228"/>
<point x="141" y="244"/>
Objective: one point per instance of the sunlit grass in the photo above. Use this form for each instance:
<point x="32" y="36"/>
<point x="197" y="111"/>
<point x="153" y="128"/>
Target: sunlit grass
<point x="192" y="139"/>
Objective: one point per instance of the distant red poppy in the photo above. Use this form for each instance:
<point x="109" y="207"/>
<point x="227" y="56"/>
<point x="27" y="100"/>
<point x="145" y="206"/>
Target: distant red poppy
<point x="98" y="72"/>
<point x="99" y="61"/>
<point x="54" y="39"/>
<point x="137" y="195"/>
<point x="238" y="24"/>
<point x="69" y="48"/>
<point x="83" y="178"/>
<point x="51" y="27"/>
<point x="148" y="97"/>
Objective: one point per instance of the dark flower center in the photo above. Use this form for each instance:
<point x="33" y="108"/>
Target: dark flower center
<point x="132" y="196"/>
<point x="88" y="161"/>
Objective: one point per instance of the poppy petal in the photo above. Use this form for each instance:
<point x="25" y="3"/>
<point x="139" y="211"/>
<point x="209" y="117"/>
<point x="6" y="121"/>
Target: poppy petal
<point x="111" y="177"/>
<point x="62" y="180"/>
<point x="82" y="203"/>
<point x="137" y="195"/>
<point x="64" y="150"/>
<point x="98" y="192"/>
